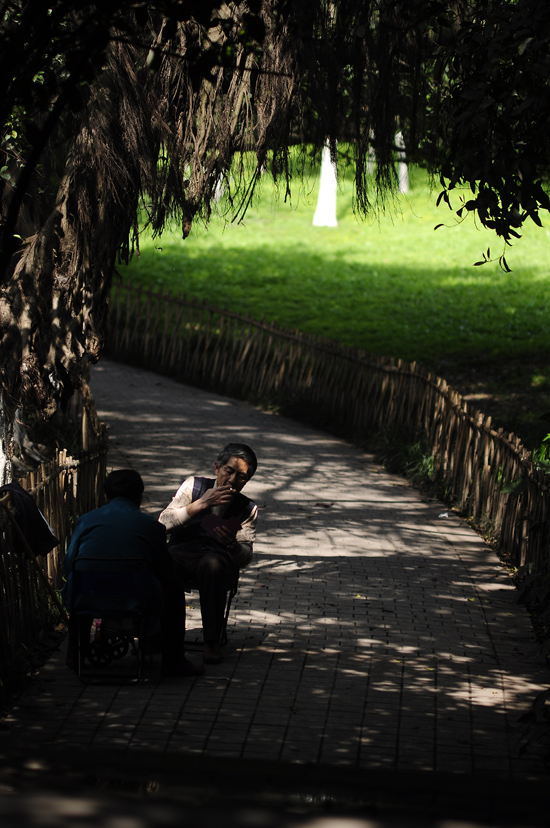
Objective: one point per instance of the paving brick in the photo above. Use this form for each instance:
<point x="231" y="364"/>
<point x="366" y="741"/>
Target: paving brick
<point x="368" y="631"/>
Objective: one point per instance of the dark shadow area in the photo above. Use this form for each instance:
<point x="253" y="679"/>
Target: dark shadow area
<point x="479" y="331"/>
<point x="100" y="788"/>
<point x="376" y="666"/>
<point x="404" y="311"/>
<point x="513" y="390"/>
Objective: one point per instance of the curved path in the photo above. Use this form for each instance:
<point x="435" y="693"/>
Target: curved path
<point x="373" y="631"/>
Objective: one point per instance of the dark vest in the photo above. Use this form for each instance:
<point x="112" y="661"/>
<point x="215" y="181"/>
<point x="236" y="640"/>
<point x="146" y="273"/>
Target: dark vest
<point x="240" y="507"/>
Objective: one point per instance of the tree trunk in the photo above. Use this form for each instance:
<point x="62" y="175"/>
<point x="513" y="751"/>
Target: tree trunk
<point x="6" y="426"/>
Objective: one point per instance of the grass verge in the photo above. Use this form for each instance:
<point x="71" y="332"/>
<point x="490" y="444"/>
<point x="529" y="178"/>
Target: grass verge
<point x="391" y="285"/>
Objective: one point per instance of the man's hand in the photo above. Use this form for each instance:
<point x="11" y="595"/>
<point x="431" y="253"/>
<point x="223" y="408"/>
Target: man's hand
<point x="212" y="497"/>
<point x="224" y="535"/>
<point x="217" y="496"/>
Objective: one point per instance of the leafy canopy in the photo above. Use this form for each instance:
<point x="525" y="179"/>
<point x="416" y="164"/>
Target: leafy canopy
<point x="118" y="108"/>
<point x="492" y="103"/>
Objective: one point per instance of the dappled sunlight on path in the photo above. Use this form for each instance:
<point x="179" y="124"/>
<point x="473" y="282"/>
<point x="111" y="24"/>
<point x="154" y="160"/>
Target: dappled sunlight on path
<point x="373" y="628"/>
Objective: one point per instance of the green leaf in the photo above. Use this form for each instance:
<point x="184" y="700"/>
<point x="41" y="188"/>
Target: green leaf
<point x="524" y="44"/>
<point x="515" y="487"/>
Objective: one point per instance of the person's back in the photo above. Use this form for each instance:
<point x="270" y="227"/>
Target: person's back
<point x="119" y="538"/>
<point x="119" y="535"/>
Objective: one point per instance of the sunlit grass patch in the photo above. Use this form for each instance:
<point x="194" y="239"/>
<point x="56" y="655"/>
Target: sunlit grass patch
<point x="391" y="285"/>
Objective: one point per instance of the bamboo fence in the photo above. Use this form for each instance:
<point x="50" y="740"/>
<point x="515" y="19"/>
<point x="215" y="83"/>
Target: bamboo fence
<point x="63" y="488"/>
<point x="488" y="475"/>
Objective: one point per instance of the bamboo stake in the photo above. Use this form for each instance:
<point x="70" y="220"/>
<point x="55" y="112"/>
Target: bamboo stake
<point x="236" y="354"/>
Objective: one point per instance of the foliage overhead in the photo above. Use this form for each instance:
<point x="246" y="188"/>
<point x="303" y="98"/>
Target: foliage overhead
<point x="116" y="108"/>
<point x="492" y="104"/>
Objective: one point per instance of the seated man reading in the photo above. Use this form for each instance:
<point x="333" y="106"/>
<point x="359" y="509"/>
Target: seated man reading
<point x="136" y="542"/>
<point x="212" y="529"/>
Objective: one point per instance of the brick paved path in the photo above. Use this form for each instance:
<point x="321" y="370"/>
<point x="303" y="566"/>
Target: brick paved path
<point x="373" y="630"/>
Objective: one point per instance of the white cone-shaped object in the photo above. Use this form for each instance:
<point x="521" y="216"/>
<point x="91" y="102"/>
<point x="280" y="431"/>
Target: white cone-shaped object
<point x="402" y="167"/>
<point x="325" y="214"/>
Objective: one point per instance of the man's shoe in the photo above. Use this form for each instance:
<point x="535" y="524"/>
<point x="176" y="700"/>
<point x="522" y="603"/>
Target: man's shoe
<point x="182" y="669"/>
<point x="212" y="652"/>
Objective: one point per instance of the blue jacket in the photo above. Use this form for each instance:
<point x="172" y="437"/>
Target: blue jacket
<point x="119" y="531"/>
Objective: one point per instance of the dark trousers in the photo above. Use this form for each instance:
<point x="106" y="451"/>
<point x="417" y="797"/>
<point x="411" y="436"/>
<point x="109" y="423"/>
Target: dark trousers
<point x="209" y="568"/>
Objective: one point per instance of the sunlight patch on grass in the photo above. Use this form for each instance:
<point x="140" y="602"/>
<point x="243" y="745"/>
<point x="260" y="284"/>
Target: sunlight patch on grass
<point x="390" y="285"/>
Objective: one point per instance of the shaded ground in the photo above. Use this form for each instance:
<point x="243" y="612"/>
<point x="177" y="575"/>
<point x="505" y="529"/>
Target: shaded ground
<point x="57" y="790"/>
<point x="514" y="392"/>
<point x="376" y="668"/>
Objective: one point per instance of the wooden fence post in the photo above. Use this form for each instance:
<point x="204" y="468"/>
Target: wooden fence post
<point x="356" y="392"/>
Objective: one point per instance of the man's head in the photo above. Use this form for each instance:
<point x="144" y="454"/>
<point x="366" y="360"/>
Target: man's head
<point x="235" y="465"/>
<point x="124" y="483"/>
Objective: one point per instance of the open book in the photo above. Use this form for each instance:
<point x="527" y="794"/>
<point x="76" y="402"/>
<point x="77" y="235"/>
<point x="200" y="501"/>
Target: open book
<point x="210" y="522"/>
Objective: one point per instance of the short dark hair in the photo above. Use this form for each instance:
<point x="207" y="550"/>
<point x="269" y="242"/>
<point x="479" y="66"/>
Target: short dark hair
<point x="238" y="450"/>
<point x="124" y="483"/>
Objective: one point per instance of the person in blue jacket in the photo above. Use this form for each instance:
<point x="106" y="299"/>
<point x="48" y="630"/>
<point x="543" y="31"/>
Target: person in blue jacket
<point x="136" y="542"/>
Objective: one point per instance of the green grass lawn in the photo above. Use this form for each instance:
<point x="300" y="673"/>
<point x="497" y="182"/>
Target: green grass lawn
<point x="391" y="285"/>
